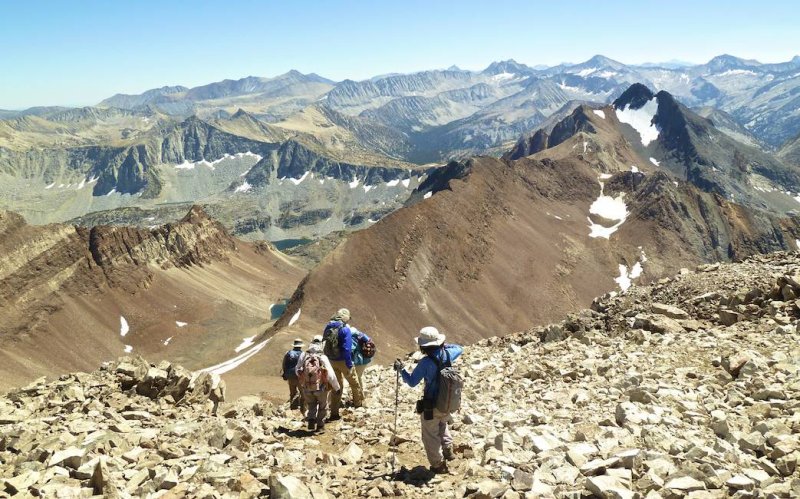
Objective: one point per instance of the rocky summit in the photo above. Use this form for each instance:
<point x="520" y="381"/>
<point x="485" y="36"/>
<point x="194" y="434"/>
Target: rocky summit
<point x="685" y="388"/>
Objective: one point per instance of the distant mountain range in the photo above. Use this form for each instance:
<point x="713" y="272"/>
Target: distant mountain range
<point x="458" y="112"/>
<point x="300" y="156"/>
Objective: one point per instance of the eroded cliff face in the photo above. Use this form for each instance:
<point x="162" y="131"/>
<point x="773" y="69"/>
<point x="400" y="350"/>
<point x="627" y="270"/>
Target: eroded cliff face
<point x="41" y="263"/>
<point x="74" y="297"/>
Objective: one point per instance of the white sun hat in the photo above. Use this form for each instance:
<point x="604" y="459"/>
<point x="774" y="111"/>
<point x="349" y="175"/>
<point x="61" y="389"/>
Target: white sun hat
<point x="430" y="336"/>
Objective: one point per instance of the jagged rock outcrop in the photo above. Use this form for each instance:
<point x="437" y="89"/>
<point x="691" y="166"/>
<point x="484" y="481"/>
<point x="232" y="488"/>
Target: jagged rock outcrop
<point x="655" y="392"/>
<point x="543" y="139"/>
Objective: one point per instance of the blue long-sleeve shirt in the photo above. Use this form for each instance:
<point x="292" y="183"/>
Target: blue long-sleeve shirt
<point x="427" y="369"/>
<point x="345" y="342"/>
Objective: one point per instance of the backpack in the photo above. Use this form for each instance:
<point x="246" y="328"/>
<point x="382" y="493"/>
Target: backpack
<point x="367" y="348"/>
<point x="330" y="341"/>
<point x="313" y="374"/>
<point x="292" y="357"/>
<point x="450" y="383"/>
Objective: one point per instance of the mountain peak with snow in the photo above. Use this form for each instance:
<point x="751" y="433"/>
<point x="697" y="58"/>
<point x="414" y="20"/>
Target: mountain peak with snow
<point x="636" y="96"/>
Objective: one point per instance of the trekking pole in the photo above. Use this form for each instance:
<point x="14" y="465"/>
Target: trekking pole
<point x="393" y="443"/>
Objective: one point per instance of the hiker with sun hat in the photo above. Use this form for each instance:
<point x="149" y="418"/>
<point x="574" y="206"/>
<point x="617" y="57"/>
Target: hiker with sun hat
<point x="434" y="413"/>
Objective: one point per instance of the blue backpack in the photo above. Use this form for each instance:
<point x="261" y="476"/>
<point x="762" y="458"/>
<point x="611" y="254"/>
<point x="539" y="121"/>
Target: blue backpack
<point x="292" y="357"/>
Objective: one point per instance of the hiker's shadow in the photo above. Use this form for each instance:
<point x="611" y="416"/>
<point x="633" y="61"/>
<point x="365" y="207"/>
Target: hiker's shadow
<point x="299" y="433"/>
<point x="416" y="476"/>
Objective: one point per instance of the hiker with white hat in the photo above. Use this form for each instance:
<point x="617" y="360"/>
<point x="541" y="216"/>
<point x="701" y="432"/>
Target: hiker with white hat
<point x="436" y="436"/>
<point x="290" y="361"/>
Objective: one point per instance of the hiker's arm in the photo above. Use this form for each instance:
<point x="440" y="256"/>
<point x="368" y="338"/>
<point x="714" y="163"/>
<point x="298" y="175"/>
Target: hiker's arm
<point x="332" y="381"/>
<point x="283" y="367"/>
<point x="418" y="374"/>
<point x="455" y="351"/>
<point x="348" y="348"/>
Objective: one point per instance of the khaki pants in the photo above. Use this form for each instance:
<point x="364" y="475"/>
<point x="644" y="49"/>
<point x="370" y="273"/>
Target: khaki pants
<point x="360" y="373"/>
<point x="435" y="435"/>
<point x="342" y="372"/>
<point x="295" y="397"/>
<point x="317" y="403"/>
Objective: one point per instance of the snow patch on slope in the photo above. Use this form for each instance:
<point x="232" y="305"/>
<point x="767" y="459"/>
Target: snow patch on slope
<point x="296" y="181"/>
<point x="230" y="365"/>
<point x="123" y="326"/>
<point x="294" y="317"/>
<point x="245" y="187"/>
<point x="641" y="120"/>
<point x="610" y="208"/>
<point x="246" y="343"/>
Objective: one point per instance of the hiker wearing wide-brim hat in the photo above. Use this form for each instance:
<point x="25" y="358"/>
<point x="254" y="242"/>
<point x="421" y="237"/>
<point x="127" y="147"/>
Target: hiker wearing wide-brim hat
<point x="288" y="373"/>
<point x="436" y="436"/>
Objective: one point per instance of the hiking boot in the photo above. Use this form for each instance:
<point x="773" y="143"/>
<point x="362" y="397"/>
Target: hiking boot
<point x="334" y="417"/>
<point x="320" y="427"/>
<point x="441" y="468"/>
<point x="447" y="452"/>
<point x="312" y="425"/>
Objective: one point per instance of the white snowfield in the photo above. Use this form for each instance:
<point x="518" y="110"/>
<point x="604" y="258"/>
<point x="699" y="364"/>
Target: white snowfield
<point x="230" y="365"/>
<point x="246" y="343"/>
<point x="599" y="112"/>
<point x="427" y="195"/>
<point x="128" y="349"/>
<point x="123" y="326"/>
<point x="354" y="183"/>
<point x="641" y="120"/>
<point x="502" y="76"/>
<point x="245" y="187"/>
<point x="655" y="161"/>
<point x="294" y="317"/>
<point x="180" y="324"/>
<point x="188" y="165"/>
<point x="393" y="183"/>
<point x="609" y="208"/>
<point x="297" y="181"/>
<point x="625" y="278"/>
<point x="406" y="182"/>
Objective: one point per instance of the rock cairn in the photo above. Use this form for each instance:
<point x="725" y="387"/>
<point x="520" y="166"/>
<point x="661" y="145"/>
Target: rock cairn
<point x="689" y="387"/>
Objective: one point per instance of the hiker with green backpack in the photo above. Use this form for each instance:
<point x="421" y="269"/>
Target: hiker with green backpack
<point x="337" y="340"/>
<point x="441" y="397"/>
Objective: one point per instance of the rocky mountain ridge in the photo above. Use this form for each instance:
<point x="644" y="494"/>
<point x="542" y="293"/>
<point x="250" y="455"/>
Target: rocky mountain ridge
<point x="546" y="218"/>
<point x="685" y="388"/>
<point x="71" y="295"/>
<point x="667" y="136"/>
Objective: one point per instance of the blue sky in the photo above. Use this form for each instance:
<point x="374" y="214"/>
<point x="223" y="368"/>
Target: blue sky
<point x="77" y="53"/>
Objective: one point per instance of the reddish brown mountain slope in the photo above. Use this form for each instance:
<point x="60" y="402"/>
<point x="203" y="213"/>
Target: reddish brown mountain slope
<point x="64" y="290"/>
<point x="505" y="245"/>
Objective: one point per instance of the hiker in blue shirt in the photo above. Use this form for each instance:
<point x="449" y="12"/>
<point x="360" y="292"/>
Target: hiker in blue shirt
<point x="288" y="374"/>
<point x="436" y="436"/>
<point x="360" y="360"/>
<point x="342" y="360"/>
